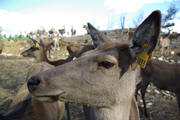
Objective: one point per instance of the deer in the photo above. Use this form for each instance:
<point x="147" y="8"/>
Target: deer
<point x="1" y="46"/>
<point x="165" y="45"/>
<point x="86" y="28"/>
<point x="62" y="31"/>
<point x="73" y="32"/>
<point x="27" y="107"/>
<point x="55" y="38"/>
<point x="36" y="51"/>
<point x="74" y="50"/>
<point x="104" y="77"/>
<point x="31" y="34"/>
<point x="163" y="75"/>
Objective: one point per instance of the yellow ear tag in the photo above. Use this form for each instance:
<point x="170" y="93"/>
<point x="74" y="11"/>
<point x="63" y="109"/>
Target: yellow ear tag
<point x="143" y="57"/>
<point x="37" y="44"/>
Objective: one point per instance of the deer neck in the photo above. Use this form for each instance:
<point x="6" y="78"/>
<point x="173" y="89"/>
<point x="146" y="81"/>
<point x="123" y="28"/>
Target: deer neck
<point x="39" y="56"/>
<point x="116" y="112"/>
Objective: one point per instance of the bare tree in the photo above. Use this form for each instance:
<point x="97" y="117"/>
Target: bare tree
<point x="139" y="18"/>
<point x="110" y="23"/>
<point x="122" y="20"/>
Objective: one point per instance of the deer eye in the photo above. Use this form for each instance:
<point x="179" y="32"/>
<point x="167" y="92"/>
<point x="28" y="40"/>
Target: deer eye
<point x="106" y="64"/>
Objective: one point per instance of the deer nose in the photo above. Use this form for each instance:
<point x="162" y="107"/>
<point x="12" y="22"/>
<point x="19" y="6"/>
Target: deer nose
<point x="32" y="84"/>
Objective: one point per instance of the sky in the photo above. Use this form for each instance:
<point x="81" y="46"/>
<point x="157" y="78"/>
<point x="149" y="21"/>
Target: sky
<point x="22" y="16"/>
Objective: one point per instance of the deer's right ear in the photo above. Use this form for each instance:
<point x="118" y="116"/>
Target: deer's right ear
<point x="147" y="34"/>
<point x="98" y="37"/>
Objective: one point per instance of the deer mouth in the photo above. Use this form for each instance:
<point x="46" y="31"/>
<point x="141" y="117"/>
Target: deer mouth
<point x="50" y="98"/>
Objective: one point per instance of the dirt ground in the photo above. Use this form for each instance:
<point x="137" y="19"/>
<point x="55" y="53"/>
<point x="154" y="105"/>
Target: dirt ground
<point x="161" y="104"/>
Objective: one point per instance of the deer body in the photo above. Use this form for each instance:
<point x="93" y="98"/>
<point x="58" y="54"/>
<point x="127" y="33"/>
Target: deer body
<point x="54" y="38"/>
<point x="165" y="45"/>
<point x="73" y="32"/>
<point x="163" y="75"/>
<point x="104" y="77"/>
<point x="62" y="31"/>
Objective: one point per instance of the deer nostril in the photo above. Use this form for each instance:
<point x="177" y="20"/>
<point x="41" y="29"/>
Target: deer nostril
<point x="32" y="84"/>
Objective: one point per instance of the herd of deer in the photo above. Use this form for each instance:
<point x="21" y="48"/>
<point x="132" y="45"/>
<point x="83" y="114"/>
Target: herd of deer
<point x="104" y="76"/>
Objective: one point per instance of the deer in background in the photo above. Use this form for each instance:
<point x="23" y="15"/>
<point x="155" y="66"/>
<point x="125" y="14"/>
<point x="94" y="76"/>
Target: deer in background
<point x="163" y="75"/>
<point x="73" y="32"/>
<point x="86" y="28"/>
<point x="54" y="38"/>
<point x="26" y="107"/>
<point x="31" y="34"/>
<point x="62" y="31"/>
<point x="165" y="45"/>
<point x="104" y="77"/>
<point x="1" y="46"/>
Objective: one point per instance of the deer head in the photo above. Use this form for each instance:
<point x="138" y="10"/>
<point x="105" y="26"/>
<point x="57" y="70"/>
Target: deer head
<point x="103" y="77"/>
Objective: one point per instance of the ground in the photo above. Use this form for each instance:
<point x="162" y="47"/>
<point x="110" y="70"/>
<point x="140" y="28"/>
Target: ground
<point x="13" y="69"/>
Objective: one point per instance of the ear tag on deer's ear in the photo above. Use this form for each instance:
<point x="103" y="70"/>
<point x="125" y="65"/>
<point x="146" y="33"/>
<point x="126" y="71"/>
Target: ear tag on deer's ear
<point x="143" y="57"/>
<point x="37" y="44"/>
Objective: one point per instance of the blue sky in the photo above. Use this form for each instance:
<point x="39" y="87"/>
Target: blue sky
<point x="28" y="15"/>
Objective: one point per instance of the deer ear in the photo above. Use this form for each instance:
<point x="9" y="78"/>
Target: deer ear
<point x="147" y="33"/>
<point x="33" y="40"/>
<point x="98" y="37"/>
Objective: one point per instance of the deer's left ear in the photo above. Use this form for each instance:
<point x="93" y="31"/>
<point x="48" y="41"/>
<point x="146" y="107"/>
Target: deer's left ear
<point x="147" y="33"/>
<point x="98" y="37"/>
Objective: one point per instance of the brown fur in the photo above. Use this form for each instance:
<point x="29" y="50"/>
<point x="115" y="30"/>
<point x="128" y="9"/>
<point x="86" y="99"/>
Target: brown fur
<point x="165" y="45"/>
<point x="62" y="31"/>
<point x="52" y="31"/>
<point x="163" y="75"/>
<point x="35" y="109"/>
<point x="104" y="77"/>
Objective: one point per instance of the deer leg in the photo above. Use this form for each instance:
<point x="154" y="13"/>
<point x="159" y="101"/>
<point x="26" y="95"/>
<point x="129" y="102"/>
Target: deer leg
<point x="58" y="45"/>
<point x="178" y="101"/>
<point x="67" y="109"/>
<point x="89" y="113"/>
<point x="138" y="86"/>
<point x="143" y="92"/>
<point x="49" y="50"/>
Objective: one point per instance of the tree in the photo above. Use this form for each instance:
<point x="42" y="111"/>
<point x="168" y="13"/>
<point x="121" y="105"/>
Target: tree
<point x="168" y="17"/>
<point x="122" y="20"/>
<point x="110" y="23"/>
<point x="139" y="18"/>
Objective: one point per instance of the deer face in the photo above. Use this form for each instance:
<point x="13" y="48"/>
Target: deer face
<point x="96" y="73"/>
<point x="32" y="50"/>
<point x="101" y="77"/>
